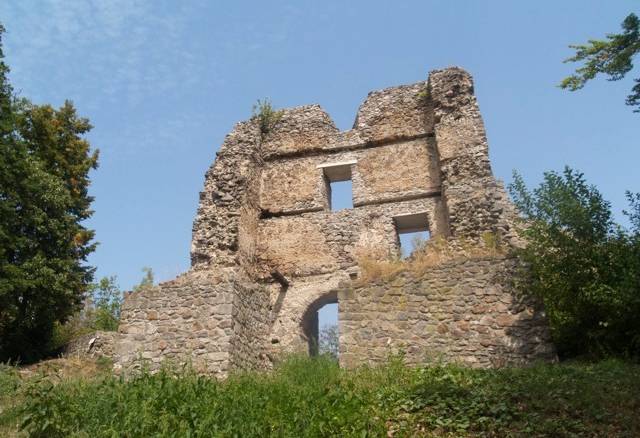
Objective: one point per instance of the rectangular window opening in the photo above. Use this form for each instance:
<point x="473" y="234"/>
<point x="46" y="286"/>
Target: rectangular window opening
<point x="339" y="185"/>
<point x="341" y="195"/>
<point x="413" y="233"/>
<point x="412" y="242"/>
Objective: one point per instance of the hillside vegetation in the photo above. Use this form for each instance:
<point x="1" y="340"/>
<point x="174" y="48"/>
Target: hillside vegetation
<point x="313" y="397"/>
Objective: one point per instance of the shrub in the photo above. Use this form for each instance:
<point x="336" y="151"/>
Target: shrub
<point x="584" y="266"/>
<point x="267" y="116"/>
<point x="107" y="299"/>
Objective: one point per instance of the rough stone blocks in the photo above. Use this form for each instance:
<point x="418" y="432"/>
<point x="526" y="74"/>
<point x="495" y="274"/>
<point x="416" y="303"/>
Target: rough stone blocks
<point x="268" y="251"/>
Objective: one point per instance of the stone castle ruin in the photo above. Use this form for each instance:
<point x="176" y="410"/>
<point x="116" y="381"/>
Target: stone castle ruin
<point x="268" y="251"/>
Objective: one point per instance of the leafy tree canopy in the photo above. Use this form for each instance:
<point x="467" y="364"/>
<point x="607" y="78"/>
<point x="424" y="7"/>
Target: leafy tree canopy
<point x="329" y="342"/>
<point x="612" y="56"/>
<point x="44" y="168"/>
<point x="584" y="266"/>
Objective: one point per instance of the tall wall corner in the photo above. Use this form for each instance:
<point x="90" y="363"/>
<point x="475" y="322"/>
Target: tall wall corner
<point x="226" y="221"/>
<point x="475" y="202"/>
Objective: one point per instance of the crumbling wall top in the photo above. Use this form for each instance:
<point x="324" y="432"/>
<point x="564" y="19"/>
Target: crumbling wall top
<point x="394" y="113"/>
<point x="386" y="115"/>
<point x="300" y="129"/>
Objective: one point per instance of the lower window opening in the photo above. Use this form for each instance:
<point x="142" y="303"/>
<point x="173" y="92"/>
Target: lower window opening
<point x="413" y="232"/>
<point x="412" y="242"/>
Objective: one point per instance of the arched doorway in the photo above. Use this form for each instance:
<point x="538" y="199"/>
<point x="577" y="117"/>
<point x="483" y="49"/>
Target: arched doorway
<point x="322" y="314"/>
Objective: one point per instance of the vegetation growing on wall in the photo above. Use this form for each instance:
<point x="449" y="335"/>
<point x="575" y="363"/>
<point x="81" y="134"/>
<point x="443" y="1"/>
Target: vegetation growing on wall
<point x="267" y="116"/>
<point x="429" y="254"/>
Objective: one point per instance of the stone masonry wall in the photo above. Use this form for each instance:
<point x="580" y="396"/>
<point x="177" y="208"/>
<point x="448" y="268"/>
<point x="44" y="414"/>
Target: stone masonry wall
<point x="393" y="114"/>
<point x="250" y="326"/>
<point x="92" y="345"/>
<point x="202" y="318"/>
<point x="267" y="251"/>
<point x="228" y="202"/>
<point x="476" y="203"/>
<point x="383" y="173"/>
<point x="463" y="311"/>
<point x="322" y="242"/>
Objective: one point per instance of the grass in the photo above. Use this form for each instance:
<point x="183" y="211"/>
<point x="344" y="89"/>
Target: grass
<point x="429" y="254"/>
<point x="314" y="398"/>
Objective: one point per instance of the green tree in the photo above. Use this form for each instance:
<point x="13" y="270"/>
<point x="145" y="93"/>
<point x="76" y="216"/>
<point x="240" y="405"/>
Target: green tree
<point x="612" y="56"/>
<point x="584" y="266"/>
<point x="44" y="166"/>
<point x="147" y="281"/>
<point x="329" y="342"/>
<point x="107" y="299"/>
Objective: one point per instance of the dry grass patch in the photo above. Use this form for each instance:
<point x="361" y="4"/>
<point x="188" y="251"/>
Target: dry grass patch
<point x="430" y="254"/>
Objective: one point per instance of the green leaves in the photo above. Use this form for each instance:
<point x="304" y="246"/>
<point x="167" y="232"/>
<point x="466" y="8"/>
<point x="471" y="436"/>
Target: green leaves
<point x="267" y="116"/>
<point x="612" y="57"/>
<point x="312" y="397"/>
<point x="107" y="299"/>
<point x="44" y="180"/>
<point x="584" y="266"/>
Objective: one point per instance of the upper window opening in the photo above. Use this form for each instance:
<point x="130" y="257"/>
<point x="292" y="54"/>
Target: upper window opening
<point x="338" y="185"/>
<point x="413" y="232"/>
<point x="341" y="195"/>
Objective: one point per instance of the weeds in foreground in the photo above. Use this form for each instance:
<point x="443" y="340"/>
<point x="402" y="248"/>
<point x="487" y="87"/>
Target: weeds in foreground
<point x="312" y="397"/>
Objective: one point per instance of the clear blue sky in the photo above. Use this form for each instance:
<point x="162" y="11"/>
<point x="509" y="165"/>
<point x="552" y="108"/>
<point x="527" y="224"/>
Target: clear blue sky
<point x="164" y="81"/>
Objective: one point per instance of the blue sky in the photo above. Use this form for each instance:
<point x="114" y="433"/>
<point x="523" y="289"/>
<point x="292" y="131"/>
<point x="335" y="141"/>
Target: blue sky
<point x="164" y="81"/>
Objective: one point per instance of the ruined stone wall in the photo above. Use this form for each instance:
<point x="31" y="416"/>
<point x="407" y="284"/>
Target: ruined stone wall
<point x="392" y="114"/>
<point x="326" y="241"/>
<point x="464" y="311"/>
<point x="210" y="320"/>
<point x="476" y="203"/>
<point x="92" y="345"/>
<point x="393" y="165"/>
<point x="386" y="173"/>
<point x="390" y="152"/>
<point x="267" y="250"/>
<point x="226" y="221"/>
<point x="250" y="317"/>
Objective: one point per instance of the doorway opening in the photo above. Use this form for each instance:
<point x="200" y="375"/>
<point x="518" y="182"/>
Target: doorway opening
<point x="320" y="326"/>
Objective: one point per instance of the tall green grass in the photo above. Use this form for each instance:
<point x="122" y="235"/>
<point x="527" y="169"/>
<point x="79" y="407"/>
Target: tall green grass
<point x="314" y="398"/>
